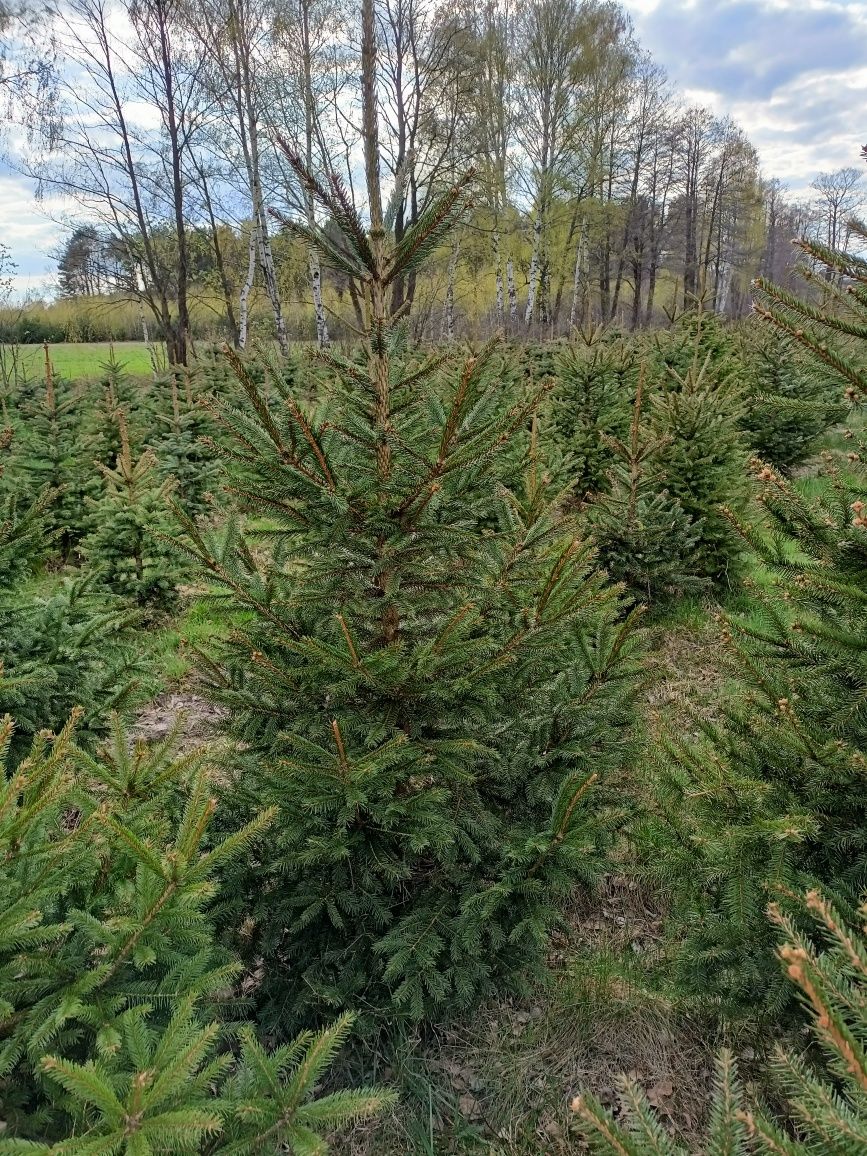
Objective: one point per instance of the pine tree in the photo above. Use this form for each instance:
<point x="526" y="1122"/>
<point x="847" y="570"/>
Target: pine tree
<point x="128" y="548"/>
<point x="116" y="1004"/>
<point x="826" y="1108"/>
<point x="644" y="537"/>
<point x="429" y="677"/>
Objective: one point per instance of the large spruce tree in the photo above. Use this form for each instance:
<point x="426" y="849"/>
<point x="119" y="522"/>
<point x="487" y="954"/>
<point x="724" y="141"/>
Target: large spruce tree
<point x="431" y="680"/>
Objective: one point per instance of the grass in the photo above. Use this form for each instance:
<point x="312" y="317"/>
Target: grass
<point x="169" y="648"/>
<point x="85" y="359"/>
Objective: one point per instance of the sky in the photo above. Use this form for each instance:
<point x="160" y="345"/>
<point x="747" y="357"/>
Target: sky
<point x="792" y="73"/>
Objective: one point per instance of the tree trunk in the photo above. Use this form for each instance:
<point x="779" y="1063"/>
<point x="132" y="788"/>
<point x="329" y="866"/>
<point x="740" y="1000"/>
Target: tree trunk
<point x="322" y="338"/>
<point x="498" y="270"/>
<point x="182" y="265"/>
<point x="448" y="326"/>
<point x="533" y="279"/>
<point x="513" y="293"/>
<point x="243" y="304"/>
<point x="579" y="288"/>
<point x="219" y="259"/>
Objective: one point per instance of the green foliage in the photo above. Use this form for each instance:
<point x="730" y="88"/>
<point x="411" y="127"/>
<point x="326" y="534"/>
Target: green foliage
<point x="790" y="400"/>
<point x="50" y="455"/>
<point x="182" y="445"/>
<point x="115" y="1003"/>
<point x="644" y="537"/>
<point x="596" y="379"/>
<point x="23" y="530"/>
<point x="67" y="646"/>
<point x="128" y="549"/>
<point x="826" y="1109"/>
<point x="436" y="701"/>
<point x="773" y="796"/>
<point x="429" y="680"/>
<point x="696" y="411"/>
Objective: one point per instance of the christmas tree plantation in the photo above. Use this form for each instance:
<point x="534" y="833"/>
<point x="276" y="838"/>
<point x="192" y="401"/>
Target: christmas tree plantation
<point x="432" y="680"/>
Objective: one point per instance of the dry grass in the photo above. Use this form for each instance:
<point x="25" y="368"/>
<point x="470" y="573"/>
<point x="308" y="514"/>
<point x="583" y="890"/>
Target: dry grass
<point x="502" y="1083"/>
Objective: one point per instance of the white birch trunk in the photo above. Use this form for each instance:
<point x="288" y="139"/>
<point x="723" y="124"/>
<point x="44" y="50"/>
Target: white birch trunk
<point x="498" y="266"/>
<point x="244" y="301"/>
<point x="725" y="284"/>
<point x="577" y="283"/>
<point x="266" y="259"/>
<point x="513" y="293"/>
<point x="322" y="338"/>
<point x="448" y="326"/>
<point x="533" y="285"/>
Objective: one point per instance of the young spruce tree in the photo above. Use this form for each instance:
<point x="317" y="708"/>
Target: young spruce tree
<point x="431" y="677"/>
<point x="116" y="1003"/>
<point x="644" y="536"/>
<point x="774" y="796"/>
<point x="128" y="548"/>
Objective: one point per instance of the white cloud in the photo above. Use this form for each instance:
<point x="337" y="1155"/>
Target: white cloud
<point x="789" y="71"/>
<point x="29" y="233"/>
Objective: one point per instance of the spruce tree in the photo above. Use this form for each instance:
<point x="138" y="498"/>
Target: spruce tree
<point x="23" y="524"/>
<point x="430" y="679"/>
<point x="50" y="454"/>
<point x="791" y="400"/>
<point x="182" y="443"/>
<point x="772" y="795"/>
<point x="128" y="548"/>
<point x="644" y="536"/>
<point x="61" y="645"/>
<point x="67" y="646"/>
<point x="826" y="1108"/>
<point x="696" y="408"/>
<point x="116" y="1004"/>
<point x="595" y="382"/>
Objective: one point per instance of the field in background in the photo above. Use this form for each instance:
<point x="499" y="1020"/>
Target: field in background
<point x="85" y="359"/>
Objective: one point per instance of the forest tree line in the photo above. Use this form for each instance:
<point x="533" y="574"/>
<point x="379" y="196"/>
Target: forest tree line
<point x="599" y="195"/>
